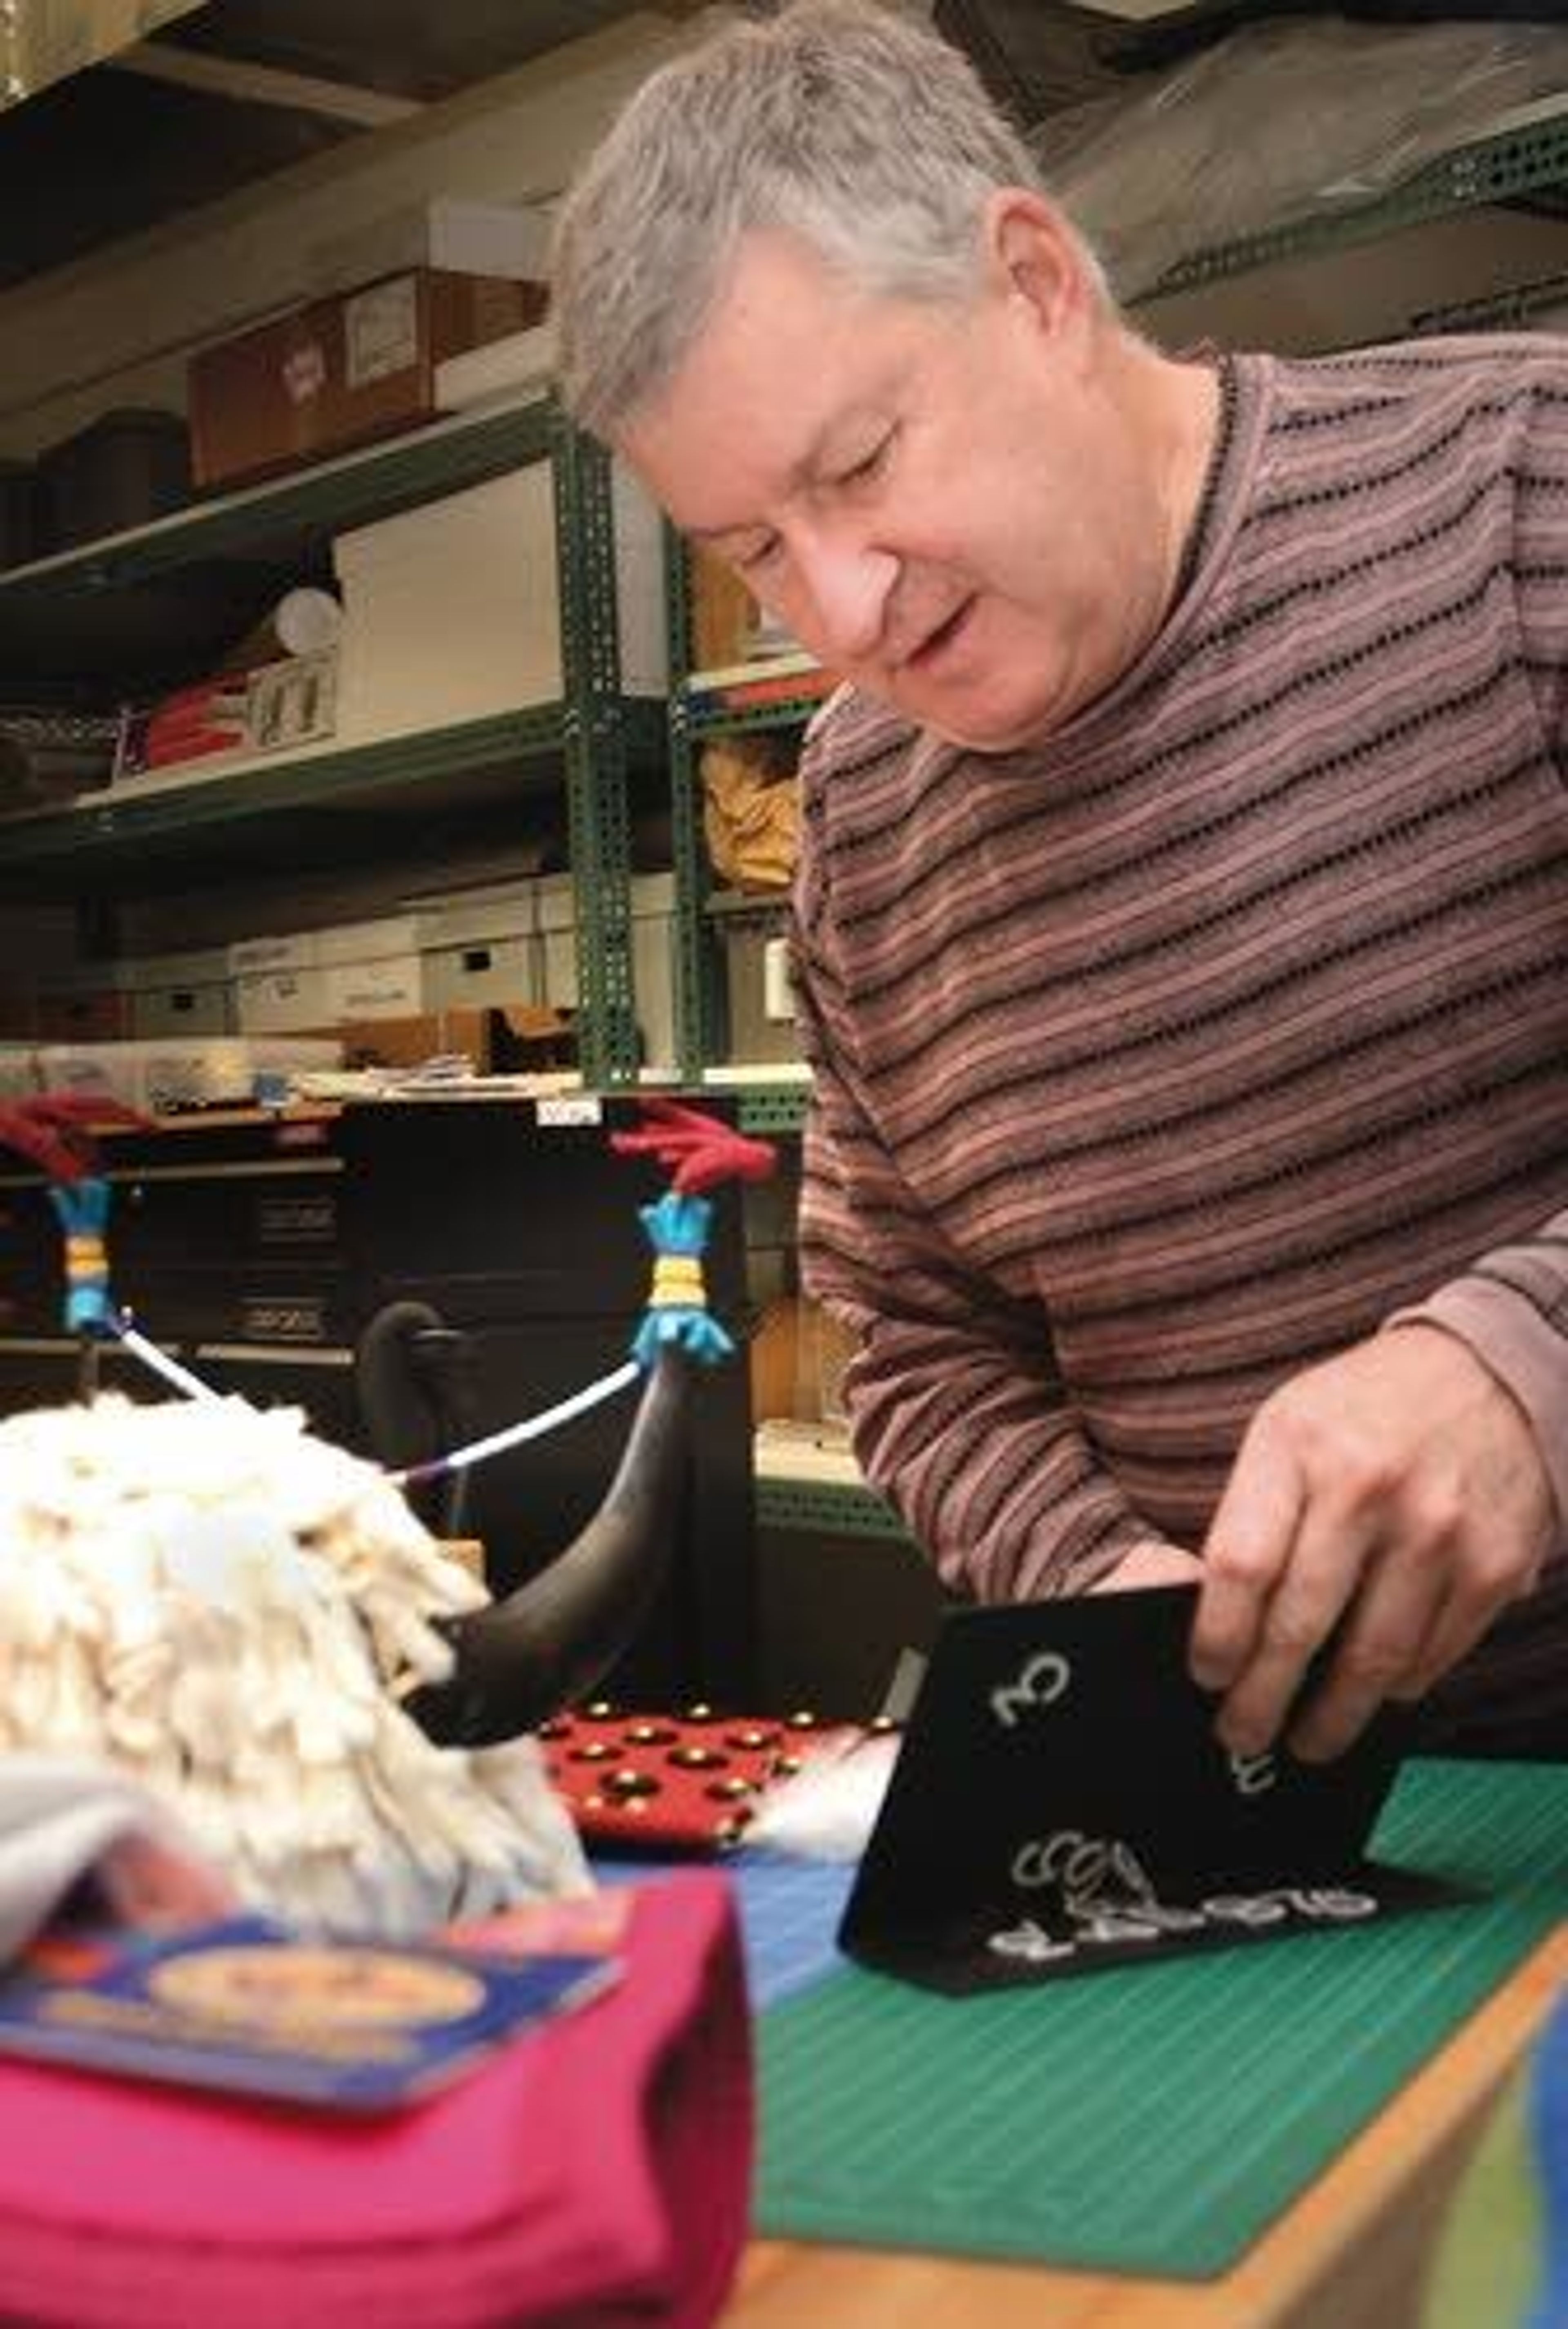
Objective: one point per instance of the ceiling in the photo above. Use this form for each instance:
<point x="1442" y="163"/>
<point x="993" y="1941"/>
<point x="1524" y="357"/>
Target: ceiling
<point x="231" y="90"/>
<point x="236" y="89"/>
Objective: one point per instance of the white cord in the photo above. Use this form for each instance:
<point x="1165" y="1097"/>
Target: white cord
<point x="161" y="1364"/>
<point x="533" y="1428"/>
<point x="607" y="1387"/>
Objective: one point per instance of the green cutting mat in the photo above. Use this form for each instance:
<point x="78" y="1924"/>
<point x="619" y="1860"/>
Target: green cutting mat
<point x="1152" y="2119"/>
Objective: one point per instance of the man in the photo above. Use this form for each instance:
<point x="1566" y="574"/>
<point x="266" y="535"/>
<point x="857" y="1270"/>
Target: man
<point x="1182" y="914"/>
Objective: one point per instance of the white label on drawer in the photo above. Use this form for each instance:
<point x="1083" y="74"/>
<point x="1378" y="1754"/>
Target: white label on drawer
<point x="571" y="1108"/>
<point x="381" y="332"/>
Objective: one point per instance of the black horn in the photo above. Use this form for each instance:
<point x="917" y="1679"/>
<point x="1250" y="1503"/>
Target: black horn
<point x="553" y="1640"/>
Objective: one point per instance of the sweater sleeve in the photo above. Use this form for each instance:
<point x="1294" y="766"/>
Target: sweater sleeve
<point x="956" y="1413"/>
<point x="1511" y="1308"/>
<point x="1511" y="1305"/>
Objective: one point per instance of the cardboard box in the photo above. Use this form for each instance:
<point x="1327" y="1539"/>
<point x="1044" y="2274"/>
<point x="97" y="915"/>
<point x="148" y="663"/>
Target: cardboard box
<point x="343" y="370"/>
<point x="490" y="1039"/>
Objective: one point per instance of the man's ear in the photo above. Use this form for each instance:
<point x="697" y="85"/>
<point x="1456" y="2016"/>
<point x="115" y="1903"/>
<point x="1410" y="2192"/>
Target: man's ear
<point x="1031" y="254"/>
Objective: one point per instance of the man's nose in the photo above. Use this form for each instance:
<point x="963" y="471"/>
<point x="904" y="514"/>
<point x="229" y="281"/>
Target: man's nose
<point x="848" y="585"/>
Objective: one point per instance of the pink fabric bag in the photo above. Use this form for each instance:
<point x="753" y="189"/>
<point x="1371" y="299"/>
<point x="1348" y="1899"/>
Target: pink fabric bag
<point x="596" y="2173"/>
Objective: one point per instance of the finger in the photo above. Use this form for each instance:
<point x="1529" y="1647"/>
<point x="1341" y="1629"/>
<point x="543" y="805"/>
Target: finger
<point x="1391" y="1620"/>
<point x="1460" y="1622"/>
<point x="1245" y="1554"/>
<point x="1328" y="1561"/>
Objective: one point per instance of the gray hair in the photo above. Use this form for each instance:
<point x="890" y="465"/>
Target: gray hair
<point x="840" y="121"/>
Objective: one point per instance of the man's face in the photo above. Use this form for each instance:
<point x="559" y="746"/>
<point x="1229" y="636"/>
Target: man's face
<point x="921" y="492"/>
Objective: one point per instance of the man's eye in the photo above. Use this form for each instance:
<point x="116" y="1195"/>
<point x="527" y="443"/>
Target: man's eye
<point x="756" y="556"/>
<point x="860" y="472"/>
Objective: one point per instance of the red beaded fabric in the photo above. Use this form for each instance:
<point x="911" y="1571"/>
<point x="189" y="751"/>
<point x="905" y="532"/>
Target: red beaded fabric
<point x="687" y="1782"/>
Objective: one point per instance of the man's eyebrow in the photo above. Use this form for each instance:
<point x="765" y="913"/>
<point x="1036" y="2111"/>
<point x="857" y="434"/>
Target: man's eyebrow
<point x="722" y="532"/>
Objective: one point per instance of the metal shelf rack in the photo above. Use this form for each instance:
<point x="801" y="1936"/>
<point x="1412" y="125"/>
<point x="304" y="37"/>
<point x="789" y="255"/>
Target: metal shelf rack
<point x="1505" y="167"/>
<point x="590" y="738"/>
<point x="836" y="1507"/>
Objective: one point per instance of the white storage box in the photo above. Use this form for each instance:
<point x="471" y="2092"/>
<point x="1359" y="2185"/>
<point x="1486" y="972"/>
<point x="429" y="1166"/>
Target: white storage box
<point x="392" y="986"/>
<point x="480" y="947"/>
<point x="506" y="369"/>
<point x="382" y="940"/>
<point x="484" y="972"/>
<point x="457" y="237"/>
<point x="652" y="956"/>
<point x="371" y="970"/>
<point x="499" y="909"/>
<point x="181" y="994"/>
<point x="317" y="978"/>
<point x="278" y="1001"/>
<point x="290" y="950"/>
<point x="452" y="612"/>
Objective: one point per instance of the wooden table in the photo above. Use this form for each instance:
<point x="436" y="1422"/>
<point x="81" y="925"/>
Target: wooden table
<point x="1350" y="2254"/>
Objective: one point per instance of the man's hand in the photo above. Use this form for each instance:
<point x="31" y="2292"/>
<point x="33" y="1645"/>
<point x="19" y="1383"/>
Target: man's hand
<point x="1151" y="1564"/>
<point x="1398" y="1487"/>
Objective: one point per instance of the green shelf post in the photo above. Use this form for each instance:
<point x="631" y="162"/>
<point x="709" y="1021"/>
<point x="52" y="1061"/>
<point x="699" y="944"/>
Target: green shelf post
<point x="598" y="825"/>
<point x="697" y="998"/>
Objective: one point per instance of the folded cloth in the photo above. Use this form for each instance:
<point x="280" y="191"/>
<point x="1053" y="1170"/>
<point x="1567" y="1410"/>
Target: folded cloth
<point x="66" y="1817"/>
<point x="592" y="2174"/>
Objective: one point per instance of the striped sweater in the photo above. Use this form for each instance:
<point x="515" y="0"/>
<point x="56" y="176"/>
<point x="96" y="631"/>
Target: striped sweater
<point x="1161" y="1060"/>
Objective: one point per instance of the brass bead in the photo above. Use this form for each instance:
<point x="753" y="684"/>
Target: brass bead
<point x="629" y="1782"/>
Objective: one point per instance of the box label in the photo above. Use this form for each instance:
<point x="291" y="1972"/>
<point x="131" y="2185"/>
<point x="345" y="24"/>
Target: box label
<point x="381" y="332"/>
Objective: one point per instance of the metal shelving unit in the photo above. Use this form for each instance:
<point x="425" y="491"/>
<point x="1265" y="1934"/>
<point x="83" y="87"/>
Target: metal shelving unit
<point x="695" y="720"/>
<point x="765" y="1109"/>
<point x="839" y="1508"/>
<point x="588" y="740"/>
<point x="699" y="719"/>
<point x="1505" y="167"/>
